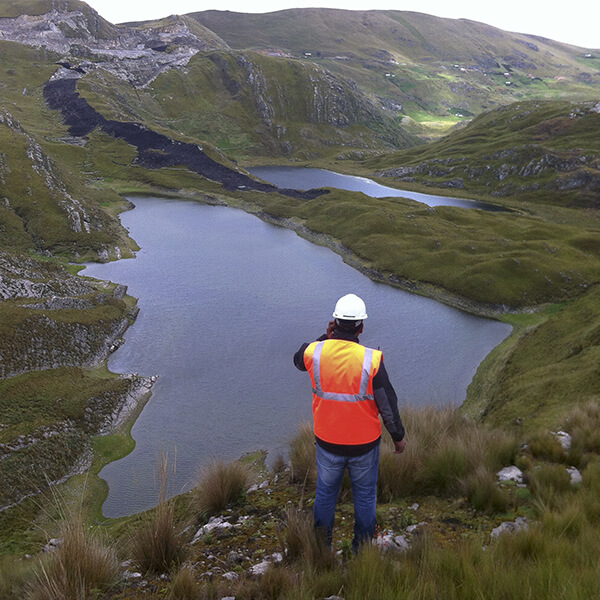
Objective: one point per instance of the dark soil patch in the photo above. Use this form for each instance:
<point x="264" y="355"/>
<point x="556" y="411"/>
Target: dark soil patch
<point x="154" y="149"/>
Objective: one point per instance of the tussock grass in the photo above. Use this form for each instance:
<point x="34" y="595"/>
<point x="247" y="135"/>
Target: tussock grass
<point x="373" y="575"/>
<point x="302" y="544"/>
<point x="157" y="546"/>
<point x="583" y="424"/>
<point x="302" y="456"/>
<point x="14" y="575"/>
<point x="82" y="567"/>
<point x="220" y="484"/>
<point x="446" y="454"/>
<point x="545" y="446"/>
<point x="184" y="586"/>
<point x="550" y="484"/>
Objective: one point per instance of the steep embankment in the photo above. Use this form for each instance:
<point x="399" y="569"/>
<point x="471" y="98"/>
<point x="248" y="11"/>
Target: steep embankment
<point x="52" y="324"/>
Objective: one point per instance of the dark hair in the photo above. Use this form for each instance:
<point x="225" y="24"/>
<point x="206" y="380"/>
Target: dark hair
<point x="348" y="326"/>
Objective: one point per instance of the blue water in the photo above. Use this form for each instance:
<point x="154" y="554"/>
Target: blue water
<point x="225" y="300"/>
<point x="306" y="178"/>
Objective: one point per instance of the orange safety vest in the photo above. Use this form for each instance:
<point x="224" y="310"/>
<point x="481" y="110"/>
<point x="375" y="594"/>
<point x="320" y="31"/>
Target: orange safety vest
<point x="343" y="407"/>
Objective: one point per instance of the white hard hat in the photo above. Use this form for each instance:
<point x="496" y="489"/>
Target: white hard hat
<point x="350" y="308"/>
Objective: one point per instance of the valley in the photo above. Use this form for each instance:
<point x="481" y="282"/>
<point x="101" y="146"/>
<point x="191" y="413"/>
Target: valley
<point x="92" y="113"/>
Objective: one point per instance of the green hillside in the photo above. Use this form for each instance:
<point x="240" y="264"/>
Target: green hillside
<point x="540" y="151"/>
<point x="439" y="71"/>
<point x="247" y="104"/>
<point x="516" y="121"/>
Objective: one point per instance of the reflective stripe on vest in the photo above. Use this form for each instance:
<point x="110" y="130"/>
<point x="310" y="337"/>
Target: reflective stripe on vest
<point x="364" y="378"/>
<point x="343" y="405"/>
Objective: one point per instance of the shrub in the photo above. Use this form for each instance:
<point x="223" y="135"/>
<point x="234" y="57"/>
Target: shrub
<point x="220" y="484"/>
<point x="81" y="568"/>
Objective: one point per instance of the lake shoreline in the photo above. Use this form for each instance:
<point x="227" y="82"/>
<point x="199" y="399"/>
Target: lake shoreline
<point x="492" y="311"/>
<point x="418" y="287"/>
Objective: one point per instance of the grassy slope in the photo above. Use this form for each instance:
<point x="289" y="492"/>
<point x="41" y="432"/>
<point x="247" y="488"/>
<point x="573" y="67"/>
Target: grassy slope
<point x="38" y="188"/>
<point x="494" y="258"/>
<point x="514" y="150"/>
<point x="440" y="71"/>
<point x="549" y="367"/>
<point x="510" y="259"/>
<point x="248" y="104"/>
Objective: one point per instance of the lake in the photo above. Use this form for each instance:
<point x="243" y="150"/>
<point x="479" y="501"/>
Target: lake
<point x="306" y="178"/>
<point x="225" y="300"/>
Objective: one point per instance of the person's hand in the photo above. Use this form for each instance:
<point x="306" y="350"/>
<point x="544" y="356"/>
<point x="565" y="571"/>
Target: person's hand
<point x="399" y="447"/>
<point x="330" y="328"/>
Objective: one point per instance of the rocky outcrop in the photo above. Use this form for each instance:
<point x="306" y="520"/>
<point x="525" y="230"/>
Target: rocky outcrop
<point x="78" y="216"/>
<point x="136" y="54"/>
<point x="69" y="323"/>
<point x="47" y="341"/>
<point x="50" y="454"/>
<point x="23" y="277"/>
<point x="508" y="172"/>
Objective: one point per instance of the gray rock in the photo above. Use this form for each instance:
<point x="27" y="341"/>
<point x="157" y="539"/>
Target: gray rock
<point x="575" y="475"/>
<point x="510" y="474"/>
<point x="519" y="524"/>
<point x="564" y="438"/>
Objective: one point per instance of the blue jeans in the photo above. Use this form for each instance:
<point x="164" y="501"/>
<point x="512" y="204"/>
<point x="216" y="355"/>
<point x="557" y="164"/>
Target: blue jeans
<point x="363" y="477"/>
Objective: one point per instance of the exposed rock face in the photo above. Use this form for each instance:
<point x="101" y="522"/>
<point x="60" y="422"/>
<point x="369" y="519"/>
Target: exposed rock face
<point x="138" y="55"/>
<point x="51" y="454"/>
<point x="22" y="277"/>
<point x="71" y="324"/>
<point x="77" y="215"/>
<point x="564" y="172"/>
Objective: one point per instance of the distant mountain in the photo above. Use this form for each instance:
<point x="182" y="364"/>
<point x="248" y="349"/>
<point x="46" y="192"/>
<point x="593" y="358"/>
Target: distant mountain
<point x="439" y="71"/>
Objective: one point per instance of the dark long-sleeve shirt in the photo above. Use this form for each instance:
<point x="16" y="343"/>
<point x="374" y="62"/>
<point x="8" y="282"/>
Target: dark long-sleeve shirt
<point x="385" y="399"/>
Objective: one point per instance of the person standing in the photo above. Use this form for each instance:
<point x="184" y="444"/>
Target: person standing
<point x="351" y="388"/>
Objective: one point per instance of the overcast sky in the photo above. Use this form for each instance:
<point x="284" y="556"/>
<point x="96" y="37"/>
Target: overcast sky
<point x="575" y="23"/>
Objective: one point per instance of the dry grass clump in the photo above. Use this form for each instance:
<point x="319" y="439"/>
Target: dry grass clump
<point x="14" y="575"/>
<point x="157" y="546"/>
<point x="184" y="586"/>
<point x="446" y="454"/>
<point x="302" y="456"/>
<point x="220" y="484"/>
<point x="302" y="544"/>
<point x="543" y="445"/>
<point x="583" y="424"/>
<point x="80" y="569"/>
